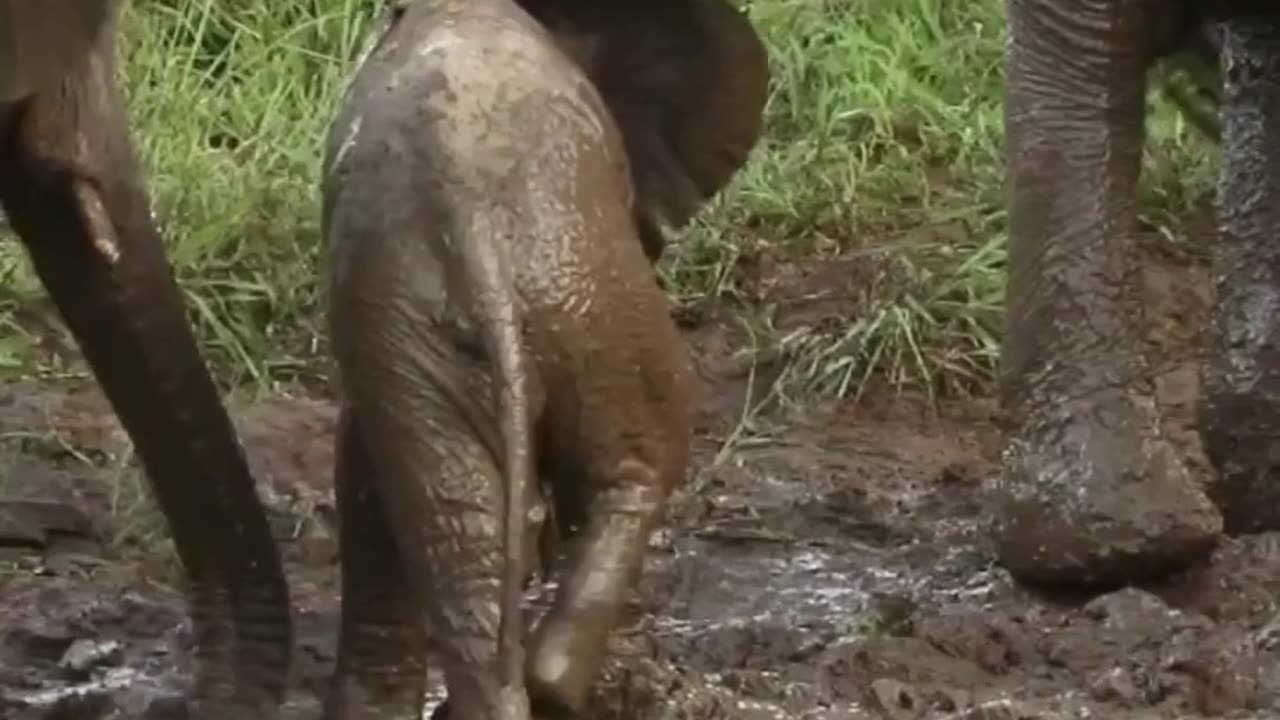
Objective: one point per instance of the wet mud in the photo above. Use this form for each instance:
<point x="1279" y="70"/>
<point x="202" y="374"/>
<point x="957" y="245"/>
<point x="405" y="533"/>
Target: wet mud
<point x="822" y="562"/>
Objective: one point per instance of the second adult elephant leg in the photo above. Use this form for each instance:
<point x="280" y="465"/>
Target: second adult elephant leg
<point x="1240" y="412"/>
<point x="74" y="193"/>
<point x="382" y="648"/>
<point x="1091" y="492"/>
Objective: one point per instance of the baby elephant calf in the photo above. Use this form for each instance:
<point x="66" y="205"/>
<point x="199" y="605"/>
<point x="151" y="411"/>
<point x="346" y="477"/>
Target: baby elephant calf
<point x="494" y="318"/>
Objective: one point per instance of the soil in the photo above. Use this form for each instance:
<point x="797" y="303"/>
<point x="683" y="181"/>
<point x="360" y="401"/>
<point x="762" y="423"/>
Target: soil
<point x="825" y="562"/>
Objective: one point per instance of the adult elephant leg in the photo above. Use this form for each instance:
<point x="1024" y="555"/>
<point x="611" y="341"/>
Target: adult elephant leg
<point x="382" y="649"/>
<point x="1091" y="493"/>
<point x="73" y="191"/>
<point x="1240" y="411"/>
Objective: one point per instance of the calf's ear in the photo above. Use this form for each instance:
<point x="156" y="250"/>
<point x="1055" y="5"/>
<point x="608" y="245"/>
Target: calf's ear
<point x="686" y="82"/>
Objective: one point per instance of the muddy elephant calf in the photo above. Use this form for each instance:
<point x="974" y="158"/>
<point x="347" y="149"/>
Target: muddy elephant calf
<point x="495" y="318"/>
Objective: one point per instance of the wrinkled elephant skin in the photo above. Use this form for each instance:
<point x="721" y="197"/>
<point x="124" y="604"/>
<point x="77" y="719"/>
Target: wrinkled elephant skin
<point x="72" y="189"/>
<point x="1240" y="412"/>
<point x="1092" y="493"/>
<point x="495" y="320"/>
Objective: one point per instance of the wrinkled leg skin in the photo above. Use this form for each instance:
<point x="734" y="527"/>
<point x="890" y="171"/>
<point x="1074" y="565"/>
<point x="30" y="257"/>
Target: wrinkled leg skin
<point x="1091" y="492"/>
<point x="440" y="485"/>
<point x="381" y="672"/>
<point x="1240" y="397"/>
<point x="72" y="189"/>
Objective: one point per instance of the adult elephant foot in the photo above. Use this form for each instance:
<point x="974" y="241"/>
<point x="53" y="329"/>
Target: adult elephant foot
<point x="1240" y="410"/>
<point x="1093" y="495"/>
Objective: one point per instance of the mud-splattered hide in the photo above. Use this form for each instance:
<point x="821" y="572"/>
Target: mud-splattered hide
<point x="494" y="312"/>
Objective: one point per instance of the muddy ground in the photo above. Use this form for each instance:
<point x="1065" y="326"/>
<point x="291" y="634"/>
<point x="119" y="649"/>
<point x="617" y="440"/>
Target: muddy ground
<point x="826" y="563"/>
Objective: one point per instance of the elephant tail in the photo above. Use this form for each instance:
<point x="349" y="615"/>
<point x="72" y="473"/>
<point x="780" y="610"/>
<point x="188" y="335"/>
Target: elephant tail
<point x="501" y="308"/>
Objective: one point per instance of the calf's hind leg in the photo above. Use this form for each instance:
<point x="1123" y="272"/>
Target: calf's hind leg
<point x="440" y="481"/>
<point x="382" y="651"/>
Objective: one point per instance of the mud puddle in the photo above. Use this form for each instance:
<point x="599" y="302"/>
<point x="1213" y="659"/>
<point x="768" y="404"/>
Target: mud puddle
<point x="829" y="563"/>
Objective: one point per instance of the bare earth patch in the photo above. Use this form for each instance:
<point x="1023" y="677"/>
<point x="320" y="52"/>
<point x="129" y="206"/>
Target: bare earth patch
<point x="825" y="563"/>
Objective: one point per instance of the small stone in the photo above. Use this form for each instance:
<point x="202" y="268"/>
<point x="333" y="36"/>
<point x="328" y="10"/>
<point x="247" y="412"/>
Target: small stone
<point x="1123" y="604"/>
<point x="1115" y="685"/>
<point x="898" y="700"/>
<point x="30" y="523"/>
<point x="1004" y="708"/>
<point x="170" y="706"/>
<point x="87" y="705"/>
<point x="1268" y="638"/>
<point x="84" y="655"/>
<point x="948" y="699"/>
<point x="895" y="611"/>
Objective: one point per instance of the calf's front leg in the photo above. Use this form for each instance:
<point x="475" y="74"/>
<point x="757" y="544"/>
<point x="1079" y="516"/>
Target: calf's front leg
<point x="610" y="487"/>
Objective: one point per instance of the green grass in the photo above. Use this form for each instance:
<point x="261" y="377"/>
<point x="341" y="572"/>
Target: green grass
<point x="883" y="144"/>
